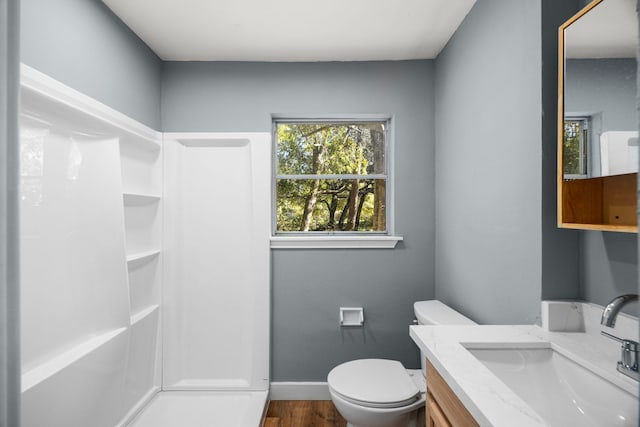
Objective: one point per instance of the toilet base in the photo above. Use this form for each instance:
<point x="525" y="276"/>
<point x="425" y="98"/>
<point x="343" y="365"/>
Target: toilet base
<point x="409" y="420"/>
<point x="410" y="416"/>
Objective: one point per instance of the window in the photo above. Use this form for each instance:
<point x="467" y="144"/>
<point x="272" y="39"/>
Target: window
<point x="575" y="147"/>
<point x="331" y="177"/>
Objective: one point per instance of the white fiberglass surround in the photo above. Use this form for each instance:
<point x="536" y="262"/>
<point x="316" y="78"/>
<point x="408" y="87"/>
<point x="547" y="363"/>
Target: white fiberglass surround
<point x="203" y="408"/>
<point x="90" y="353"/>
<point x="216" y="246"/>
<point x="92" y="255"/>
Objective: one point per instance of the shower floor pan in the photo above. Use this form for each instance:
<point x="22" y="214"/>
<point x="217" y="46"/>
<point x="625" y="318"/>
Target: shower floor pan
<point x="203" y="409"/>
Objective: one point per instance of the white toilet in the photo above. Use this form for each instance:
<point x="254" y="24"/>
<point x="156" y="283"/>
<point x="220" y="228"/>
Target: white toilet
<point x="382" y="393"/>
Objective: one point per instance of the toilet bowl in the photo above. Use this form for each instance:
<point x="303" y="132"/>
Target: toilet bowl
<point x="380" y="392"/>
<point x="375" y="393"/>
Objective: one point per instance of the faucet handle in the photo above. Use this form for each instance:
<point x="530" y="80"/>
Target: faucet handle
<point x="628" y="364"/>
<point x="629" y="357"/>
<point x="613" y="337"/>
<point x="628" y="345"/>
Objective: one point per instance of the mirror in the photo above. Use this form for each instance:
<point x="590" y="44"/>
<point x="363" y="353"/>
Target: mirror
<point x="597" y="118"/>
<point x="600" y="134"/>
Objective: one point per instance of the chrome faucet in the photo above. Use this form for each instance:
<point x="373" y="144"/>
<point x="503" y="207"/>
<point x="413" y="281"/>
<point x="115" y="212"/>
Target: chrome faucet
<point x="628" y="363"/>
<point x="610" y="313"/>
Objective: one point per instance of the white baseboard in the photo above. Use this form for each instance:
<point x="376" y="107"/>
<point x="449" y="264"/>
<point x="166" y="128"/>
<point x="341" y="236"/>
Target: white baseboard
<point x="299" y="391"/>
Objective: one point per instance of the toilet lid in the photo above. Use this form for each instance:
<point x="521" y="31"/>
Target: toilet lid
<point x="373" y="382"/>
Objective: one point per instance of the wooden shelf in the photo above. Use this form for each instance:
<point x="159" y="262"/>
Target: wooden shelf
<point x="137" y="199"/>
<point x="141" y="257"/>
<point x="607" y="203"/>
<point x="600" y="227"/>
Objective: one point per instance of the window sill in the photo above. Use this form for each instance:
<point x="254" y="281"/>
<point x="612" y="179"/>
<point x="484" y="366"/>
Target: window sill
<point x="334" y="242"/>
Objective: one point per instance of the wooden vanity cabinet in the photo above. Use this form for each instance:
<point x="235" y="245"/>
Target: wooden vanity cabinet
<point x="443" y="408"/>
<point x="435" y="416"/>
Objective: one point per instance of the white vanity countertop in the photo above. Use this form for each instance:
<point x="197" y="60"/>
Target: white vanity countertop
<point x="487" y="398"/>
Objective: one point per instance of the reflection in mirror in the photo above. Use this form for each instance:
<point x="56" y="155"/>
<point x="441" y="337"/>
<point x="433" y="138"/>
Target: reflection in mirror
<point x="600" y="116"/>
<point x="597" y="132"/>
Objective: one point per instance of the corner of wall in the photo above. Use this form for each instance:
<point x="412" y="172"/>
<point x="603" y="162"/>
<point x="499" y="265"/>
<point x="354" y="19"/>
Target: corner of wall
<point x="85" y="46"/>
<point x="560" y="248"/>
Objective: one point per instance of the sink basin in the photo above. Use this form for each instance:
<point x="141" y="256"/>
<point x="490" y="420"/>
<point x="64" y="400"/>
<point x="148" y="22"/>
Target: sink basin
<point x="561" y="391"/>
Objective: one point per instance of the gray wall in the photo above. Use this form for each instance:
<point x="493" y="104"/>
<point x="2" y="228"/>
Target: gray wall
<point x="83" y="45"/>
<point x="494" y="246"/>
<point x="604" y="86"/>
<point x="9" y="226"/>
<point x="560" y="247"/>
<point x="309" y="286"/>
<point x="608" y="261"/>
<point x="589" y="265"/>
<point x="608" y="267"/>
<point x="488" y="178"/>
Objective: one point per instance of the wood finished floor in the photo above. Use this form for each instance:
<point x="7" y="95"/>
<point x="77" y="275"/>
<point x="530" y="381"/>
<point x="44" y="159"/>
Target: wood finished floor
<point x="308" y="413"/>
<point x="303" y="413"/>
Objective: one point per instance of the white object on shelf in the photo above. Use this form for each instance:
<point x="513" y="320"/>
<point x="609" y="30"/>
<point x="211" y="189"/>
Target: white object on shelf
<point x="134" y="199"/>
<point x="351" y="316"/>
<point x="619" y="152"/>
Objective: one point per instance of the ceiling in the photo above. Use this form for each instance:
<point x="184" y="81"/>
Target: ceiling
<point x="293" y="30"/>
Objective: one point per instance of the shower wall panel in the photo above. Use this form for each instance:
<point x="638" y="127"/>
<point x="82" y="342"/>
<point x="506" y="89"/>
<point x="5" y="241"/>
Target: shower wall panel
<point x="74" y="280"/>
<point x="216" y="261"/>
<point x="90" y="343"/>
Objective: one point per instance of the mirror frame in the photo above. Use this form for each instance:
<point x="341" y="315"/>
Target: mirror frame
<point x="587" y="196"/>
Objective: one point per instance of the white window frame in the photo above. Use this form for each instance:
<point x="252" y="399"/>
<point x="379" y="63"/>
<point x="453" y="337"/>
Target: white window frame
<point x="327" y="240"/>
<point x="585" y="145"/>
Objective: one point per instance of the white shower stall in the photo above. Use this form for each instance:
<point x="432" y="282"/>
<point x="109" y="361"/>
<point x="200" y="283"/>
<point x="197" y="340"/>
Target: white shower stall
<point x="145" y="268"/>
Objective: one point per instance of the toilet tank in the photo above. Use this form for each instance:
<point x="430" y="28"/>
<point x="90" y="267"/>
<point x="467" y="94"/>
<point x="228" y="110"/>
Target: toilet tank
<point x="433" y="312"/>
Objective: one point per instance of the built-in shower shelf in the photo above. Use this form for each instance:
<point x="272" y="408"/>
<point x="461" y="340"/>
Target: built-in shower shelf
<point x="135" y="199"/>
<point x="142" y="257"/>
<point x="56" y="364"/>
<point x="136" y="317"/>
<point x="142" y="143"/>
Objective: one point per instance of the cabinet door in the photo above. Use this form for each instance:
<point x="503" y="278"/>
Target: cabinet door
<point x="435" y="416"/>
<point x="453" y="411"/>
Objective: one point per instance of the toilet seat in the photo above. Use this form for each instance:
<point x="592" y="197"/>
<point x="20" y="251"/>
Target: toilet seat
<point x="387" y="405"/>
<point x="373" y="383"/>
